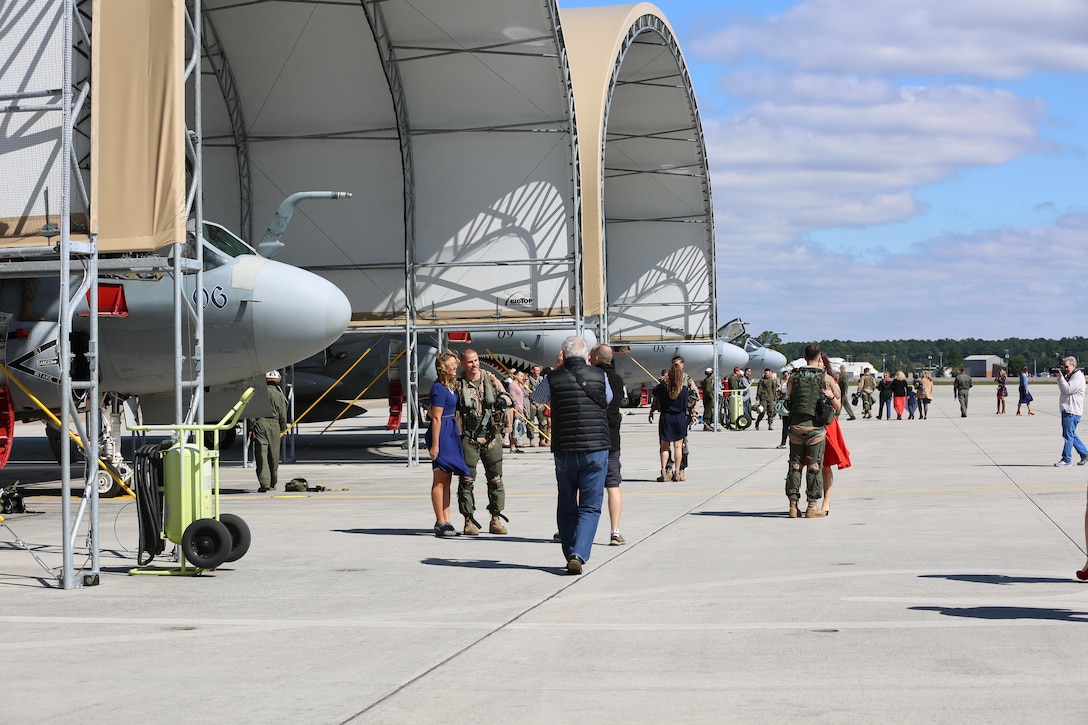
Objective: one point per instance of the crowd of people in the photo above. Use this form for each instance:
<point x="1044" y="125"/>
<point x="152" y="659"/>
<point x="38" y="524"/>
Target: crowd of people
<point x="572" y="407"/>
<point x="575" y="408"/>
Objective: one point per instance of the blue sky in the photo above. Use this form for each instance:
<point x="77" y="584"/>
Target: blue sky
<point x="895" y="168"/>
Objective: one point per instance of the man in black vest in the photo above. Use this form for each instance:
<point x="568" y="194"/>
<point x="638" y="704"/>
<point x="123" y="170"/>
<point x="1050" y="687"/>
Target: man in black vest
<point x="579" y="396"/>
<point x="601" y="357"/>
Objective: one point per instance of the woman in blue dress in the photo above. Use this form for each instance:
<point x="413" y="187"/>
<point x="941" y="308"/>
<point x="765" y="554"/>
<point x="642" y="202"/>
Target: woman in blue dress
<point x="1025" y="394"/>
<point x="671" y="396"/>
<point x="444" y="442"/>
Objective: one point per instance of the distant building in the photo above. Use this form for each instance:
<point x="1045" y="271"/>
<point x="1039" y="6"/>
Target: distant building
<point x="983" y="366"/>
<point x="853" y="369"/>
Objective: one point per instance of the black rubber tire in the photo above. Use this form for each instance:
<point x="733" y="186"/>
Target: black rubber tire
<point x="206" y="543"/>
<point x="743" y="422"/>
<point x="239" y="535"/>
<point x="107" y="486"/>
<point x="226" y="438"/>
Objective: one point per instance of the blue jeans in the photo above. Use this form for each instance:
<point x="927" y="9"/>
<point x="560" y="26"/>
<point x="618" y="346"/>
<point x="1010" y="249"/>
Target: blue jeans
<point x="885" y="408"/>
<point x="1072" y="440"/>
<point x="579" y="476"/>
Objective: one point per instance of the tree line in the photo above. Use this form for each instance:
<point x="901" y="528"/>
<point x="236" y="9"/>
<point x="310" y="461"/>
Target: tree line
<point x="1038" y="354"/>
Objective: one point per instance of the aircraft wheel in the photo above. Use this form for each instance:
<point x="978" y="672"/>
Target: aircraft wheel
<point x="107" y="486"/>
<point x="206" y="543"/>
<point x="743" y="422"/>
<point x="239" y="535"/>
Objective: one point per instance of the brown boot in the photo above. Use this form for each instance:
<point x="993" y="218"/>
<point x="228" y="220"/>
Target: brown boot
<point x="471" y="529"/>
<point x="793" y="509"/>
<point x="683" y="476"/>
<point x="814" y="511"/>
<point x="496" y="526"/>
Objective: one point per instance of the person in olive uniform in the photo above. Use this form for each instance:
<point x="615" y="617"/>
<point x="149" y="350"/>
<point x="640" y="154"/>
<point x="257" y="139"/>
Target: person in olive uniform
<point x="482" y="429"/>
<point x="265" y="433"/>
<point x="961" y="387"/>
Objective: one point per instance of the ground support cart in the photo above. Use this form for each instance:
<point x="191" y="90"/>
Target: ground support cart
<point x="177" y="496"/>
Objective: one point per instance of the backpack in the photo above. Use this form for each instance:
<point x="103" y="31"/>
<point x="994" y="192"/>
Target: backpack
<point x="807" y="400"/>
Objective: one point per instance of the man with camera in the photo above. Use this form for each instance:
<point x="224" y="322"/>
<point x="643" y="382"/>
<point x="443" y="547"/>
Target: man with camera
<point x="1071" y="403"/>
<point x="481" y="407"/>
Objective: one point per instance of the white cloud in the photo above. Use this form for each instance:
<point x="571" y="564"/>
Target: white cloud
<point x="807" y="87"/>
<point x="829" y="140"/>
<point x="991" y="284"/>
<point x="1002" y="39"/>
<point x="782" y="170"/>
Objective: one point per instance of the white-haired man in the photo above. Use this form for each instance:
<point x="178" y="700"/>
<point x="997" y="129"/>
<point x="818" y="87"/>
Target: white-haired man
<point x="579" y="396"/>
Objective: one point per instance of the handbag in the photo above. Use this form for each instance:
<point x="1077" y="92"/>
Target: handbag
<point x="854" y="399"/>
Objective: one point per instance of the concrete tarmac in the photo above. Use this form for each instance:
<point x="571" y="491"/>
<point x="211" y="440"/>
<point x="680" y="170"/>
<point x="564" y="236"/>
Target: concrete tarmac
<point x="939" y="590"/>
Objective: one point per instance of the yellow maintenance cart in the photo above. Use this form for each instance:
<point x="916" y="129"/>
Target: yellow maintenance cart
<point x="177" y="499"/>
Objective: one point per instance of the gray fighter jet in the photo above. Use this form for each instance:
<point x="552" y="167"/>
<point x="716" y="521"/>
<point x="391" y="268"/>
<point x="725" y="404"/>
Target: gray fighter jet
<point x="381" y="372"/>
<point x="259" y="315"/>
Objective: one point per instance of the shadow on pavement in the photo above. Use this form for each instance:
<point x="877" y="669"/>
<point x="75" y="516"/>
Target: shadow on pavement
<point x="430" y="532"/>
<point x="492" y="564"/>
<point x="994" y="579"/>
<point x="1063" y="615"/>
<point x="745" y="514"/>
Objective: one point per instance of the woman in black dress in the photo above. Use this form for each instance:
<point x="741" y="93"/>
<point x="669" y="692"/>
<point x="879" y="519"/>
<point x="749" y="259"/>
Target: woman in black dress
<point x="672" y="399"/>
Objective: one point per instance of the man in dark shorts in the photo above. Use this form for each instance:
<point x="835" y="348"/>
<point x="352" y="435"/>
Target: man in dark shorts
<point x="601" y="357"/>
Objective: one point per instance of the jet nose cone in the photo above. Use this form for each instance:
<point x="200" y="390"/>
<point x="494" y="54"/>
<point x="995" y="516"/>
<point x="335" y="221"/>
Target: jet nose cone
<point x="767" y="358"/>
<point x="730" y="356"/>
<point x="296" y="314"/>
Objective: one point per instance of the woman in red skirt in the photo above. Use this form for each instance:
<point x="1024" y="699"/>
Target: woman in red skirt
<point x="835" y="451"/>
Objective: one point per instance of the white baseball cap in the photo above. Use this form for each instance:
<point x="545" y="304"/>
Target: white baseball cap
<point x="272" y="375"/>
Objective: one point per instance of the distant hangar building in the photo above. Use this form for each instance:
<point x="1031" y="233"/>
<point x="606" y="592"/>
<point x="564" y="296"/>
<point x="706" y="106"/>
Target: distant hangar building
<point x="983" y="366"/>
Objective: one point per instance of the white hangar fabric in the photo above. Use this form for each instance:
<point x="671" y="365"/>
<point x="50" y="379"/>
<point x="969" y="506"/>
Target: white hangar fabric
<point x="647" y="213"/>
<point x="449" y="122"/>
<point x="475" y="166"/>
<point x="508" y="163"/>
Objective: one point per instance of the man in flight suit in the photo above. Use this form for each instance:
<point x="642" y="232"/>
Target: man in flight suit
<point x="481" y="441"/>
<point x="266" y="435"/>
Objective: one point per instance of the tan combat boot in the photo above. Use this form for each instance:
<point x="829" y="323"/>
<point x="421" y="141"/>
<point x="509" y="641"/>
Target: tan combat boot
<point x="496" y="526"/>
<point x="814" y="511"/>
<point x="471" y="529"/>
<point x="793" y="509"/>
